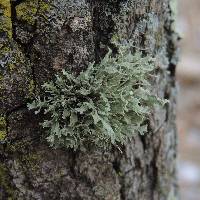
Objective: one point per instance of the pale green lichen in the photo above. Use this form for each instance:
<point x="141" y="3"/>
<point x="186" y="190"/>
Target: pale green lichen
<point x="5" y="19"/>
<point x="104" y="106"/>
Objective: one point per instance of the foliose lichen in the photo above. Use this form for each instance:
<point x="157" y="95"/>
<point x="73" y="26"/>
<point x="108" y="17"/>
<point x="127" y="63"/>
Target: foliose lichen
<point x="105" y="105"/>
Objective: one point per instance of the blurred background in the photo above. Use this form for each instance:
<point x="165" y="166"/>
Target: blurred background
<point x="188" y="120"/>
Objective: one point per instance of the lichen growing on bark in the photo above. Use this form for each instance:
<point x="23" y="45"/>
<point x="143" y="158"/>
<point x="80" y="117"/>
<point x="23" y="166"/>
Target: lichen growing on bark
<point x="27" y="11"/>
<point x="5" y="18"/>
<point x="2" y="128"/>
<point x="105" y="105"/>
<point x="31" y="88"/>
<point x="32" y="160"/>
<point x="15" y="75"/>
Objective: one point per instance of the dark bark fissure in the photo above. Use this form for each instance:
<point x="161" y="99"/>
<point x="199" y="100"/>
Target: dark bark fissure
<point x="103" y="26"/>
<point x="25" y="47"/>
<point x="171" y="50"/>
<point x="14" y="19"/>
<point x="154" y="176"/>
<point x="15" y="22"/>
<point x="117" y="168"/>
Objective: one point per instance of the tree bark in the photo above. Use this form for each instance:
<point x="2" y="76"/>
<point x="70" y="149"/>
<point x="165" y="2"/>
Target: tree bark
<point x="40" y="37"/>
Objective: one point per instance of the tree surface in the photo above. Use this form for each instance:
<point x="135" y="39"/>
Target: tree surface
<point x="38" y="38"/>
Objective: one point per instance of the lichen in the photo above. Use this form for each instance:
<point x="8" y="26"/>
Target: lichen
<point x="44" y="6"/>
<point x="105" y="191"/>
<point x="31" y="160"/>
<point x="12" y="55"/>
<point x="31" y="88"/>
<point x="27" y="11"/>
<point x="2" y="128"/>
<point x="103" y="106"/>
<point x="18" y="145"/>
<point x="5" y="19"/>
<point x="15" y="73"/>
<point x="2" y="135"/>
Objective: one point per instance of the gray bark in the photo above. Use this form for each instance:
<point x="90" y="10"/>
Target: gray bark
<point x="40" y="37"/>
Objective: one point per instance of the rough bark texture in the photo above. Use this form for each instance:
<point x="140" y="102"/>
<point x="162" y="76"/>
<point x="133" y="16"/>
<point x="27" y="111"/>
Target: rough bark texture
<point x="39" y="38"/>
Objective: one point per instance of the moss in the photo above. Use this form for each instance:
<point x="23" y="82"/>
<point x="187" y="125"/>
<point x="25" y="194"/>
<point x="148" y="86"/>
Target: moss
<point x="2" y="128"/>
<point x="5" y="20"/>
<point x="28" y="10"/>
<point x="5" y="184"/>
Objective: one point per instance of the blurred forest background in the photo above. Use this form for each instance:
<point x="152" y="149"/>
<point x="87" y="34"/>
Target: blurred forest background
<point x="188" y="74"/>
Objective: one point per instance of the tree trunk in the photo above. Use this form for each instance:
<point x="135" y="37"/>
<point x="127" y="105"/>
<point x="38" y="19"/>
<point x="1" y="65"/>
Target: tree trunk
<point x="40" y="37"/>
